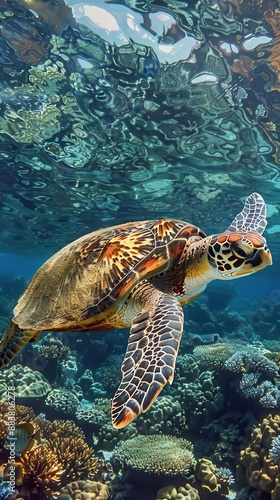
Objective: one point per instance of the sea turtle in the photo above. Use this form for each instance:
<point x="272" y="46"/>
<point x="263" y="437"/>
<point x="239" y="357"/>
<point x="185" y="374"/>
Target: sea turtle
<point x="137" y="275"/>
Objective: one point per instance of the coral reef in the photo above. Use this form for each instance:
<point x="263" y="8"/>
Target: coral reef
<point x="63" y="401"/>
<point x="166" y="455"/>
<point x="202" y="400"/>
<point x="186" y="492"/>
<point x="215" y="356"/>
<point x="75" y="456"/>
<point x="166" y="416"/>
<point x="40" y="469"/>
<point x="84" y="490"/>
<point x="54" y="351"/>
<point x="27" y="382"/>
<point x="214" y="479"/>
<point x="257" y="467"/>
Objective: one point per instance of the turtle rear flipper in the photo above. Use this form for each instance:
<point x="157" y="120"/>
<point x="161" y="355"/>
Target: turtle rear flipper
<point x="150" y="358"/>
<point x="13" y="340"/>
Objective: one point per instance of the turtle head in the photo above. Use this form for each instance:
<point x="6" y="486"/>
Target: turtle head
<point x="235" y="254"/>
<point x="241" y="249"/>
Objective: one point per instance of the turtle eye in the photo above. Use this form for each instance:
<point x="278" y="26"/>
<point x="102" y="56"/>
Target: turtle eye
<point x="241" y="251"/>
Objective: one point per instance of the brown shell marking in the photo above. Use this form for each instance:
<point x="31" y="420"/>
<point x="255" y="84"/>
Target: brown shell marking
<point x="85" y="279"/>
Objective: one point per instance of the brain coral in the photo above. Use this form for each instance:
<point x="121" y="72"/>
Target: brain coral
<point x="63" y="401"/>
<point x="156" y="454"/>
<point x="27" y="382"/>
<point x="85" y="490"/>
<point x="186" y="492"/>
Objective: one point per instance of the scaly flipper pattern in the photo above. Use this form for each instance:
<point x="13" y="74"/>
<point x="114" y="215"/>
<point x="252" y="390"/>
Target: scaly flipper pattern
<point x="150" y="357"/>
<point x="12" y="342"/>
<point x="253" y="216"/>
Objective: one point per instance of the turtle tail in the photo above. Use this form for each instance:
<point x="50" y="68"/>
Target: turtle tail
<point x="13" y="340"/>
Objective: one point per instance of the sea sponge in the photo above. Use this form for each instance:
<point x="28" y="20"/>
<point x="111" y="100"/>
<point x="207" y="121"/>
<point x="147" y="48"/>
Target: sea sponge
<point x="27" y="382"/>
<point x="158" y="454"/>
<point x="186" y="492"/>
<point x="257" y="466"/>
<point x="84" y="490"/>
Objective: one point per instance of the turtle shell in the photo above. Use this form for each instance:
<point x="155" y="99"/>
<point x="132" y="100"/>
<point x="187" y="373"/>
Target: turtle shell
<point x="88" y="279"/>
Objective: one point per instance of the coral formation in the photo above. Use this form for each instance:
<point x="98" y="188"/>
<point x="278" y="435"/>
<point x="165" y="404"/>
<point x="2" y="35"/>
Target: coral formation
<point x="186" y="492"/>
<point x="63" y="401"/>
<point x="215" y="356"/>
<point x="212" y="478"/>
<point x="84" y="490"/>
<point x="54" y="351"/>
<point x="166" y="416"/>
<point x="257" y="468"/>
<point x="27" y="382"/>
<point x="156" y="454"/>
<point x="75" y="456"/>
<point x="251" y="360"/>
<point x="202" y="400"/>
<point x="41" y="469"/>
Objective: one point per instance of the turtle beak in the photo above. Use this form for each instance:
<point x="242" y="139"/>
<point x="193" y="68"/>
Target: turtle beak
<point x="261" y="259"/>
<point x="266" y="257"/>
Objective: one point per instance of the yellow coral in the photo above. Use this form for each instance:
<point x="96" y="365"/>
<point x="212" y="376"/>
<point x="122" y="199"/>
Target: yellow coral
<point x="41" y="468"/>
<point x="255" y="467"/>
<point x="87" y="490"/>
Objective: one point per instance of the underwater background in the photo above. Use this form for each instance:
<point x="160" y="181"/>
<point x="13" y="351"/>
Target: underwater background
<point x="125" y="111"/>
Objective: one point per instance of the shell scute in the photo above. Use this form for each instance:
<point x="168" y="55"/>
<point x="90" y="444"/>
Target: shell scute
<point x="89" y="276"/>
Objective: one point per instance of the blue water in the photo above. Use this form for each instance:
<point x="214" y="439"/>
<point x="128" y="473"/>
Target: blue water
<point x="114" y="112"/>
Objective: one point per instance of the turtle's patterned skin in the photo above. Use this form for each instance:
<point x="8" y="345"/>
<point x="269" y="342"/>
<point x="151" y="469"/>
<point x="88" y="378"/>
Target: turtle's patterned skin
<point x="136" y="275"/>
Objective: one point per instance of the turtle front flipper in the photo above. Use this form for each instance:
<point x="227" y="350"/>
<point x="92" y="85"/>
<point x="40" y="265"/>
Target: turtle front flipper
<point x="150" y="358"/>
<point x="253" y="216"/>
<point x="13" y="340"/>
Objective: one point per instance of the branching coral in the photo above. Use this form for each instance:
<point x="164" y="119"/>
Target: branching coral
<point x="41" y="469"/>
<point x="75" y="456"/>
<point x="215" y="356"/>
<point x="250" y="360"/>
<point x="67" y="442"/>
<point x="60" y="428"/>
<point x="54" y="351"/>
<point x="156" y="454"/>
<point x="3" y="433"/>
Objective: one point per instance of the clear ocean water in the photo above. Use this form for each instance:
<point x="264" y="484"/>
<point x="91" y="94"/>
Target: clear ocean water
<point x="114" y="112"/>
